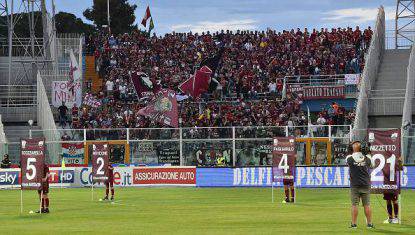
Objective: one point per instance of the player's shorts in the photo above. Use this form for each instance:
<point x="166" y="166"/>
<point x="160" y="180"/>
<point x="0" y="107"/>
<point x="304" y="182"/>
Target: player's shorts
<point x="43" y="188"/>
<point x="109" y="182"/>
<point x="288" y="182"/>
<point x="357" y="193"/>
<point x="390" y="196"/>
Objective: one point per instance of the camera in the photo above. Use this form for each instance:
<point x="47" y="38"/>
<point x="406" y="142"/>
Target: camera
<point x="365" y="148"/>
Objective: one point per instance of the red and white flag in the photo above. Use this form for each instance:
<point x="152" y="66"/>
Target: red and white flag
<point x="197" y="84"/>
<point x="147" y="16"/>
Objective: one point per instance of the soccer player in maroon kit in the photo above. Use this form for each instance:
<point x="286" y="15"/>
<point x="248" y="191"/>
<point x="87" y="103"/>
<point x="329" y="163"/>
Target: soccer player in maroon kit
<point x="289" y="186"/>
<point x="43" y="190"/>
<point x="109" y="182"/>
<point x="392" y="197"/>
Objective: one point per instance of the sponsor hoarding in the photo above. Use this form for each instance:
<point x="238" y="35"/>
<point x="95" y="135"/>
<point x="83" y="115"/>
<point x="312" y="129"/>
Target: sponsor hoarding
<point x="306" y="177"/>
<point x="164" y="176"/>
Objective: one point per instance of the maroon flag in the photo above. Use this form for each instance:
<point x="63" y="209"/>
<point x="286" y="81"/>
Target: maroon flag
<point x="197" y="84"/>
<point x="100" y="159"/>
<point x="147" y="15"/>
<point x="162" y="108"/>
<point x="144" y="86"/>
<point x="385" y="147"/>
<point x="32" y="157"/>
<point x="283" y="159"/>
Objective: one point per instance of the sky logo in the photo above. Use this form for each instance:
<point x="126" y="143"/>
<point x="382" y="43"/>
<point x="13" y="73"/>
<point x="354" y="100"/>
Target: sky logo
<point x="9" y="178"/>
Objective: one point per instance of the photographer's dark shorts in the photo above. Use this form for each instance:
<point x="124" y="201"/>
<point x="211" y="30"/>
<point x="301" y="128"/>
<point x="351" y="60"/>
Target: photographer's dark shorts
<point x="357" y="193"/>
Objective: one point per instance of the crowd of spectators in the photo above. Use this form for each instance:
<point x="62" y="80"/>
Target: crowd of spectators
<point x="252" y="63"/>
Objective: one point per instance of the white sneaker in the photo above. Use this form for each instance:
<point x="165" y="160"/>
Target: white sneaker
<point x="395" y="221"/>
<point x="387" y="221"/>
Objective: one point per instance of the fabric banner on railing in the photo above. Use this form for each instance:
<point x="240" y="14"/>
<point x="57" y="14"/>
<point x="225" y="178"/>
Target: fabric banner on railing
<point x="323" y="92"/>
<point x="351" y="79"/>
<point x="73" y="153"/>
<point x="61" y="93"/>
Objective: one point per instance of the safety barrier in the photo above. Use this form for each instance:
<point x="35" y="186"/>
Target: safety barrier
<point x="46" y="121"/>
<point x="3" y="140"/>
<point x="410" y="87"/>
<point x="203" y="146"/>
<point x="370" y="71"/>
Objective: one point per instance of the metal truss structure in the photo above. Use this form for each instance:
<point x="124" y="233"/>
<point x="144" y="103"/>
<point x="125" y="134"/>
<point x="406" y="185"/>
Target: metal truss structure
<point x="404" y="23"/>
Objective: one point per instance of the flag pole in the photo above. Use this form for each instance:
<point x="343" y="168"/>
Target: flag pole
<point x="41" y="198"/>
<point x="92" y="191"/>
<point x="21" y="200"/>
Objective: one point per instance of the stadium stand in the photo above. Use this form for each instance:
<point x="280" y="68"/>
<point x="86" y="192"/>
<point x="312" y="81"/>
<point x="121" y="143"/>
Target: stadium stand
<point x="250" y="74"/>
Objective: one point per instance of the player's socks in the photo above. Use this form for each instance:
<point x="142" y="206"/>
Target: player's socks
<point x="112" y="192"/>
<point x="47" y="203"/>
<point x="396" y="209"/>
<point x="389" y="207"/>
<point x="43" y="203"/>
<point x="287" y="194"/>
<point x="107" y="190"/>
<point x="292" y="195"/>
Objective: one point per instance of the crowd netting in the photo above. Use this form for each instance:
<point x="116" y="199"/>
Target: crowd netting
<point x="250" y="74"/>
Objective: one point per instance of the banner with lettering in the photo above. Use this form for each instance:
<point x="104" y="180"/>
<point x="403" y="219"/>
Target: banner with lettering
<point x="61" y="92"/>
<point x="323" y="92"/>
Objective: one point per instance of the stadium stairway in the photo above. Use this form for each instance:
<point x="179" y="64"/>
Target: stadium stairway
<point x="91" y="75"/>
<point x="387" y="98"/>
<point x="14" y="134"/>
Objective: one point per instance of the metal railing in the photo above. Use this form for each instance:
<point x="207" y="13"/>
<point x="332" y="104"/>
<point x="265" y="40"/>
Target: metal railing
<point x="325" y="80"/>
<point x="17" y="95"/>
<point x="242" y="144"/>
<point x="389" y="93"/>
<point x="370" y="71"/>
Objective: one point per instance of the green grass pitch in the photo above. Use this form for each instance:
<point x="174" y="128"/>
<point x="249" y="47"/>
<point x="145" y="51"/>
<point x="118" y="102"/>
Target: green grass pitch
<point x="196" y="211"/>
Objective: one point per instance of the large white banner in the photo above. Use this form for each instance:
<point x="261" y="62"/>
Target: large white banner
<point x="69" y="91"/>
<point x="61" y="93"/>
